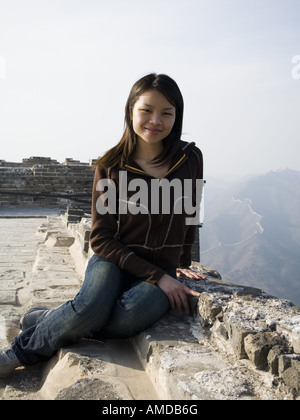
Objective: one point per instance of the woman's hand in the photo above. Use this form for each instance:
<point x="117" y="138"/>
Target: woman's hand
<point x="190" y="274"/>
<point x="176" y="292"/>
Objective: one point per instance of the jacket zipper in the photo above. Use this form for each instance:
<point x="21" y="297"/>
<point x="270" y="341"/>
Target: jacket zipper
<point x="134" y="169"/>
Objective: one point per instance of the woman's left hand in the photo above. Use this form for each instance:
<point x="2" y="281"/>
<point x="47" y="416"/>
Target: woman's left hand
<point x="190" y="274"/>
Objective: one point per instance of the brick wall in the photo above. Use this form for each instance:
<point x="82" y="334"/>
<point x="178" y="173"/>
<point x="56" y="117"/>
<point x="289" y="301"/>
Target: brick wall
<point x="43" y="182"/>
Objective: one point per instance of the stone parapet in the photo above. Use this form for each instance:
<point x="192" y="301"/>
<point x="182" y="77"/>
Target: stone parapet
<point x="43" y="182"/>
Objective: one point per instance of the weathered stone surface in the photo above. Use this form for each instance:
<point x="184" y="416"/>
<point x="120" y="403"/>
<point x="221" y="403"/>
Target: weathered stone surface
<point x="89" y="389"/>
<point x="273" y="358"/>
<point x="237" y="332"/>
<point x="295" y="339"/>
<point x="8" y="297"/>
<point x="9" y="324"/>
<point x="67" y="368"/>
<point x="209" y="308"/>
<point x="289" y="372"/>
<point x="258" y="346"/>
<point x="60" y="240"/>
<point x="291" y="330"/>
<point x="183" y="364"/>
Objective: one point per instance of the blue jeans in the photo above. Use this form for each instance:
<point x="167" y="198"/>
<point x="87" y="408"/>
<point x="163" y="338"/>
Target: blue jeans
<point x="109" y="304"/>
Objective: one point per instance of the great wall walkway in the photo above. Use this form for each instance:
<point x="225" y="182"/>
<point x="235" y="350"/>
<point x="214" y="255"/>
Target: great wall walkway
<point x="239" y="344"/>
<point x="35" y="271"/>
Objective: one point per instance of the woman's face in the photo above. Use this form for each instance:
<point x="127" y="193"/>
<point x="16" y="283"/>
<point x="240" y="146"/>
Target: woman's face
<point x="153" y="117"/>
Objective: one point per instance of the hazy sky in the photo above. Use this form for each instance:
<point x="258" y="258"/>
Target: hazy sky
<point x="67" y="66"/>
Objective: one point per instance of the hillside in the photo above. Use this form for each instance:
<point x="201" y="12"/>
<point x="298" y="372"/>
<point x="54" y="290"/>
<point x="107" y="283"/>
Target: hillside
<point x="251" y="233"/>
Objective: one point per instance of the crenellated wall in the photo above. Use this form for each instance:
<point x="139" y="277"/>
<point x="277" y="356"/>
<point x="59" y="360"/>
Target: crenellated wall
<point x="43" y="182"/>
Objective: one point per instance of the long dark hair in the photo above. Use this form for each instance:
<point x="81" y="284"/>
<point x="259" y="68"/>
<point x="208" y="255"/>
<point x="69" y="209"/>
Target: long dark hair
<point x="125" y="149"/>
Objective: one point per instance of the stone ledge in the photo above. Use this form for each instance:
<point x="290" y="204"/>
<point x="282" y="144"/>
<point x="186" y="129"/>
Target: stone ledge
<point x="252" y="324"/>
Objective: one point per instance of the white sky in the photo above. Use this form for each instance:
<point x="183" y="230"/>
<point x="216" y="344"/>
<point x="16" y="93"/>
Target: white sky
<point x="67" y="66"/>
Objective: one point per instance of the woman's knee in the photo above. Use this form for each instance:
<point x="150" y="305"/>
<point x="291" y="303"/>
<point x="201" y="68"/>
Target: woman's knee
<point x="101" y="268"/>
<point x="137" y="309"/>
<point x="103" y="284"/>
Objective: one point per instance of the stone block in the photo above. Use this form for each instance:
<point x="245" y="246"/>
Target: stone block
<point x="258" y="346"/>
<point x="296" y="339"/>
<point x="208" y="308"/>
<point x="273" y="358"/>
<point x="60" y="240"/>
<point x="237" y="332"/>
<point x="219" y="331"/>
<point x="292" y="334"/>
<point x="8" y="297"/>
<point x="289" y="371"/>
<point x="286" y="361"/>
<point x="84" y="228"/>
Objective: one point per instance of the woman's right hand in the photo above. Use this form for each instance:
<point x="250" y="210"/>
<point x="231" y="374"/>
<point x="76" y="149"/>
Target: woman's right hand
<point x="176" y="292"/>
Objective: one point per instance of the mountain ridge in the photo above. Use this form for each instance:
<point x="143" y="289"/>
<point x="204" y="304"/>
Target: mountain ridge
<point x="251" y="234"/>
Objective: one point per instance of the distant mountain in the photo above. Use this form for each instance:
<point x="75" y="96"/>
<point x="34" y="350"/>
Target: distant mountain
<point x="251" y="232"/>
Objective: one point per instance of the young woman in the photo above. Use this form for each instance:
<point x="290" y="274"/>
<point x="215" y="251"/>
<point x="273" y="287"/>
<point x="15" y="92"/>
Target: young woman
<point x="139" y="237"/>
